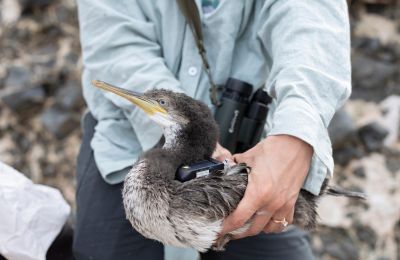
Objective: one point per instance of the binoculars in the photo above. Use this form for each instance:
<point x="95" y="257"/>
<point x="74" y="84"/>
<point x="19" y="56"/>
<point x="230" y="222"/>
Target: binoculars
<point x="241" y="119"/>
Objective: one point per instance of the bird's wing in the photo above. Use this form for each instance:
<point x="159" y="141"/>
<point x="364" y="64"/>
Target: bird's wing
<point x="213" y="196"/>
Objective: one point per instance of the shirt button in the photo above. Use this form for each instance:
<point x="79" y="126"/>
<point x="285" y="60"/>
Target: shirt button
<point x="192" y="71"/>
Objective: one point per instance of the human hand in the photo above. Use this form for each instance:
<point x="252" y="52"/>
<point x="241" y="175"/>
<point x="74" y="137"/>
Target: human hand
<point x="279" y="165"/>
<point x="221" y="154"/>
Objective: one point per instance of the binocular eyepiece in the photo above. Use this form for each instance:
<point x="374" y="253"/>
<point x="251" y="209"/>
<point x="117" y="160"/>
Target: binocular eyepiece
<point x="241" y="120"/>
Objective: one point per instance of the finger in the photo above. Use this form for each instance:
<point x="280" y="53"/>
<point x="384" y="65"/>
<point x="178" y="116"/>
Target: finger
<point x="258" y="224"/>
<point x="242" y="158"/>
<point x="238" y="157"/>
<point x="223" y="157"/>
<point x="284" y="213"/>
<point x="244" y="211"/>
<point x="222" y="154"/>
<point x="274" y="227"/>
<point x="290" y="217"/>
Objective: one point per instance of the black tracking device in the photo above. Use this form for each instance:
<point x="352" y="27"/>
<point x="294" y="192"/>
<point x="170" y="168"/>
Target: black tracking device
<point x="198" y="169"/>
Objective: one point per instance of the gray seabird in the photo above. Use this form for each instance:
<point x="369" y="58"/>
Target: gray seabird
<point x="189" y="214"/>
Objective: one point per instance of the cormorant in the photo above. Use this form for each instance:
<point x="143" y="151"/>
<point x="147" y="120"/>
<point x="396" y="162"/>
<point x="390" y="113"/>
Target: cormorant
<point x="189" y="214"/>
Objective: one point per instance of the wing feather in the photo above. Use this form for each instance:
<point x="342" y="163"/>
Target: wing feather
<point x="213" y="196"/>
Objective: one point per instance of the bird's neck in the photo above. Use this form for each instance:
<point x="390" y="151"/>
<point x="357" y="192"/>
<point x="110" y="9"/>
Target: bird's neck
<point x="190" y="144"/>
<point x="184" y="145"/>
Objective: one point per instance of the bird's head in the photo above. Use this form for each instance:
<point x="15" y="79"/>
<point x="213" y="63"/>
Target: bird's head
<point x="159" y="105"/>
<point x="172" y="110"/>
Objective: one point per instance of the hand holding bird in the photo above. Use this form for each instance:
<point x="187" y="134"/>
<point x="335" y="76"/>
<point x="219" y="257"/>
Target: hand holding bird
<point x="279" y="165"/>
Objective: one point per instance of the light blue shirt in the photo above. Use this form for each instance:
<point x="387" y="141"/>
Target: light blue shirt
<point x="298" y="50"/>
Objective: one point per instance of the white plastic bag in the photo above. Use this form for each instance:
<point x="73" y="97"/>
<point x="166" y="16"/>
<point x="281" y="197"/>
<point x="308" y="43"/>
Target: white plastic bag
<point x="31" y="216"/>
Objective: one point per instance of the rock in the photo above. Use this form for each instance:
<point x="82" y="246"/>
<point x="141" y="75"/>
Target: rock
<point x="372" y="135"/>
<point x="391" y="119"/>
<point x="339" y="244"/>
<point x="341" y="129"/>
<point x="369" y="73"/>
<point x="380" y="1"/>
<point x="392" y="160"/>
<point x="18" y="77"/>
<point x="368" y="45"/>
<point x="397" y="238"/>
<point x="337" y="217"/>
<point x="30" y="4"/>
<point x="366" y="234"/>
<point x="382" y="189"/>
<point x="8" y="150"/>
<point x="343" y="251"/>
<point x="359" y="172"/>
<point x="59" y="122"/>
<point x="379" y="27"/>
<point x="70" y="96"/>
<point x="362" y="112"/>
<point x="23" y="101"/>
<point x="345" y="154"/>
<point x="10" y="11"/>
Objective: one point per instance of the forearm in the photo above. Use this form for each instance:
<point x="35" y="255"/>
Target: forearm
<point x="310" y="77"/>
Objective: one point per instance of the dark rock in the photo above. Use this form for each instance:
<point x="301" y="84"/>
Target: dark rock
<point x="372" y="136"/>
<point x="392" y="160"/>
<point x="28" y="5"/>
<point x="366" y="235"/>
<point x="21" y="140"/>
<point x="397" y="237"/>
<point x="359" y="172"/>
<point x="367" y="45"/>
<point x="341" y="129"/>
<point x="383" y="258"/>
<point x="48" y="169"/>
<point x="59" y="122"/>
<point x="377" y="8"/>
<point x="370" y="73"/>
<point x="338" y="243"/>
<point x="24" y="101"/>
<point x="17" y="77"/>
<point x="345" y="154"/>
<point x="70" y="96"/>
<point x="62" y="13"/>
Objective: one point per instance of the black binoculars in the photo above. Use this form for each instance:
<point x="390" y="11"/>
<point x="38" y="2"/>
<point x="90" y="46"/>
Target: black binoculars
<point x="241" y="120"/>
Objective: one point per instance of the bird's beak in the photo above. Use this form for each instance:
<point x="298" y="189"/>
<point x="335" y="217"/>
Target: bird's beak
<point x="149" y="106"/>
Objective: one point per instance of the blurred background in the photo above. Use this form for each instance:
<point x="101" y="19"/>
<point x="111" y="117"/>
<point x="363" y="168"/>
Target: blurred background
<point x="41" y="105"/>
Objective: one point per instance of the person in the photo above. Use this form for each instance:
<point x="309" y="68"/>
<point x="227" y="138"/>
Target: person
<point x="300" y="51"/>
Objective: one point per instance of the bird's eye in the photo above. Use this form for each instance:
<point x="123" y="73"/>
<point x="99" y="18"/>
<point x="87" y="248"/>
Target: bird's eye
<point x="162" y="102"/>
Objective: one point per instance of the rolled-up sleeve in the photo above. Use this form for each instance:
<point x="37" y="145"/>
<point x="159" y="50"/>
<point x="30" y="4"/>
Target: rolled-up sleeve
<point x="308" y="43"/>
<point x="120" y="45"/>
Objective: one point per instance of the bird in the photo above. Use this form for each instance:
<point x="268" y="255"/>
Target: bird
<point x="190" y="214"/>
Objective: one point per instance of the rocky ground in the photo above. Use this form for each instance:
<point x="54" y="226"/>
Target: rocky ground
<point x="41" y="105"/>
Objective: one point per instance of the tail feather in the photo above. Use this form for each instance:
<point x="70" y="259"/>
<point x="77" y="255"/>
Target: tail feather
<point x="337" y="191"/>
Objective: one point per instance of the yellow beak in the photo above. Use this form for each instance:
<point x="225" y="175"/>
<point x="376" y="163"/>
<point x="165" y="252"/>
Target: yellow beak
<point x="149" y="106"/>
